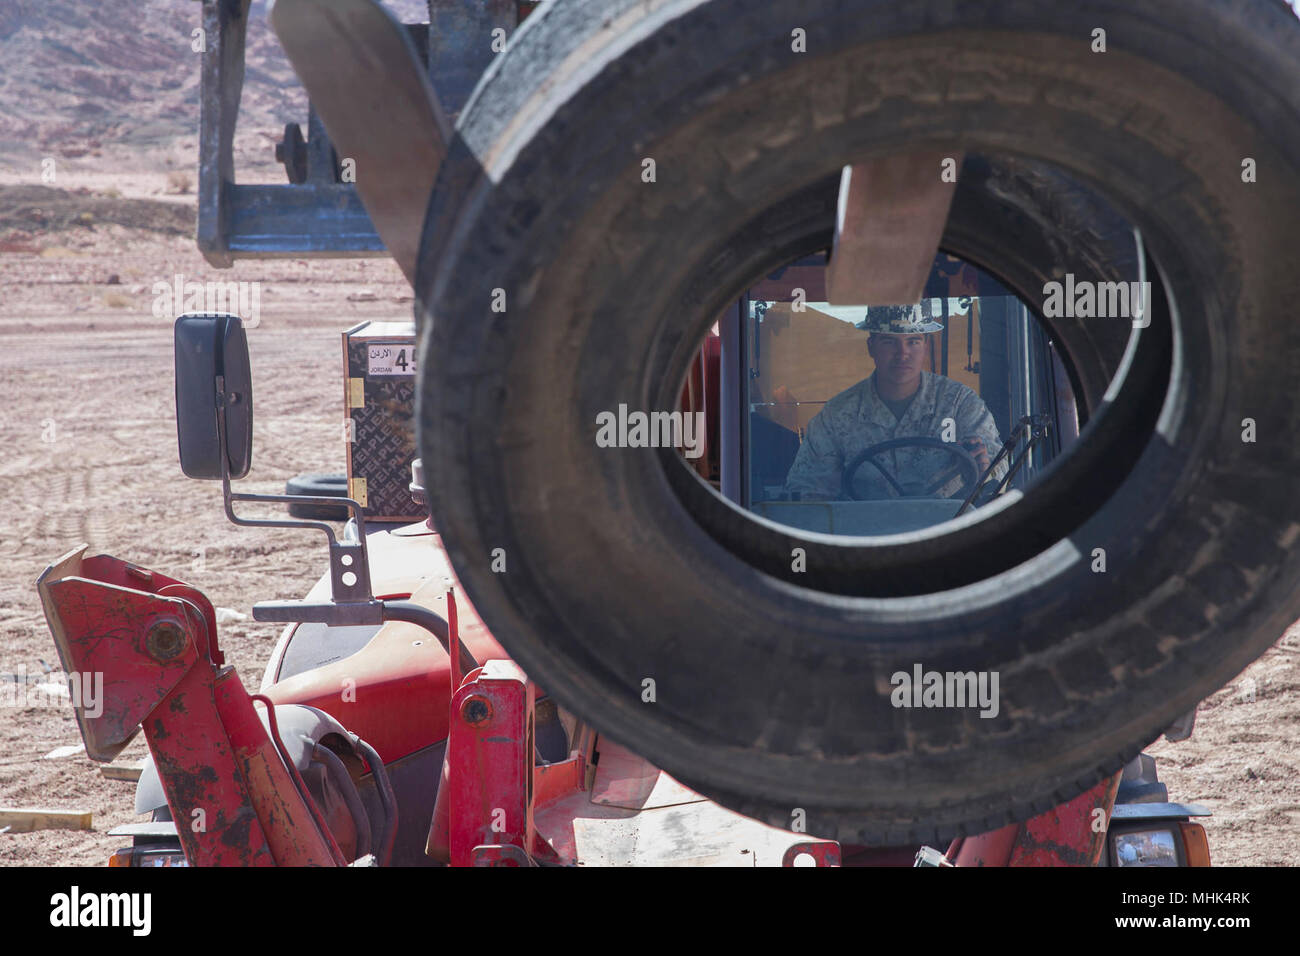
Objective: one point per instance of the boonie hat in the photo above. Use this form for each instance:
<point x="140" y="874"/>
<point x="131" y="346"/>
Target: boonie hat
<point x="899" y="320"/>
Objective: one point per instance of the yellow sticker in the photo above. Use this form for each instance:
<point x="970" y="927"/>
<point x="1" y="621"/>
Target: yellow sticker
<point x="356" y="393"/>
<point x="357" y="491"/>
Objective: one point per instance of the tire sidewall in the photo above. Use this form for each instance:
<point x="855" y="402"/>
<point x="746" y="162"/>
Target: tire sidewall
<point x="611" y="582"/>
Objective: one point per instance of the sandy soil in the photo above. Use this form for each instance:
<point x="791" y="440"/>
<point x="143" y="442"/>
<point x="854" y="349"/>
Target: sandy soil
<point x="89" y="429"/>
<point x="98" y="157"/>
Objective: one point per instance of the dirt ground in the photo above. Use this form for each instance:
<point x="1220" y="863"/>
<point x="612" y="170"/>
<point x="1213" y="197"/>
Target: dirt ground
<point x="89" y="438"/>
<point x="89" y="431"/>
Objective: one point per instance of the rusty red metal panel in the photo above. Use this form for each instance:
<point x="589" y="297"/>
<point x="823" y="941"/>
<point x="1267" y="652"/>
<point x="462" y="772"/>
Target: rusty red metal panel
<point x="1073" y="834"/>
<point x="116" y="636"/>
<point x="227" y="788"/>
<point x="988" y="849"/>
<point x="490" y="760"/>
<point x="135" y="646"/>
<point x="206" y="794"/>
<point x="394" y="694"/>
<point x="290" y="827"/>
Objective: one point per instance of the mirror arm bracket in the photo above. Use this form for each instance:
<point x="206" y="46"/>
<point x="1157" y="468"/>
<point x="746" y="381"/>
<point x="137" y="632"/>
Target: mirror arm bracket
<point x="349" y="560"/>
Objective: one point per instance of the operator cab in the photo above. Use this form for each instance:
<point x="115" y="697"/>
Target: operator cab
<point x="821" y="444"/>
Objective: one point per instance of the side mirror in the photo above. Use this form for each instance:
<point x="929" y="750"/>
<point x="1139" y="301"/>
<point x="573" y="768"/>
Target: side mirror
<point x="214" y="429"/>
<point x="214" y="396"/>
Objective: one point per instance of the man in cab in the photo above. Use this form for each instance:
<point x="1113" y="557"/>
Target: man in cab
<point x="900" y="399"/>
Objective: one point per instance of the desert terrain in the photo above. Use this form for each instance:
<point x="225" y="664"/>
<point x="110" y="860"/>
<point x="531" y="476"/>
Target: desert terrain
<point x="108" y="93"/>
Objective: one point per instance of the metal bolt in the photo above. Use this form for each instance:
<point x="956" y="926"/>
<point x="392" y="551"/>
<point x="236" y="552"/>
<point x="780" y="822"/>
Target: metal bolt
<point x="475" y="710"/>
<point x="164" y="641"/>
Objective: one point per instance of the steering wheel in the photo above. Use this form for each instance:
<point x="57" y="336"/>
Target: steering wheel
<point x="965" y="461"/>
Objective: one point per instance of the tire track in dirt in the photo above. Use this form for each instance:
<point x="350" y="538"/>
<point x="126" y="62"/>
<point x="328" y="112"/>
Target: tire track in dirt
<point x="107" y="474"/>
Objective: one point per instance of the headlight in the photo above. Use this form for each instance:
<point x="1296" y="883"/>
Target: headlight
<point x="1158" y="847"/>
<point x="148" y="856"/>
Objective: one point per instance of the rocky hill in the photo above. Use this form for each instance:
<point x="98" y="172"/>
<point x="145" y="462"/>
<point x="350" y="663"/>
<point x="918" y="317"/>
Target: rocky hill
<point x="84" y="80"/>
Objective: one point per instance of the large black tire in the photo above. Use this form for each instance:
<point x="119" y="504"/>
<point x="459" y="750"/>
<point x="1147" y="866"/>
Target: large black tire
<point x="772" y="687"/>
<point x="1030" y="224"/>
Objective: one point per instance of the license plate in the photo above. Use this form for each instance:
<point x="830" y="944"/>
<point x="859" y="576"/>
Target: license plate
<point x="390" y="360"/>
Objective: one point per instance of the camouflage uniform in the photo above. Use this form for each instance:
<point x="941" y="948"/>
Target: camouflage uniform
<point x="856" y="418"/>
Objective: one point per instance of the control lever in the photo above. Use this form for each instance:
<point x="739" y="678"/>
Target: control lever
<point x="1036" y="428"/>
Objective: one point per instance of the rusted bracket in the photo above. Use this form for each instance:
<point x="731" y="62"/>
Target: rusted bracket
<point x="822" y="852"/>
<point x="490" y="758"/>
<point x="152" y="640"/>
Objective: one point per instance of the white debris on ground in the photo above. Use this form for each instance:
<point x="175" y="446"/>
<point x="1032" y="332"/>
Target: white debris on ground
<point x="71" y="750"/>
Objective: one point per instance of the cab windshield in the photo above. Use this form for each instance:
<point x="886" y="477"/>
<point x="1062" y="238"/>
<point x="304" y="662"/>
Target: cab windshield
<point x="878" y="419"/>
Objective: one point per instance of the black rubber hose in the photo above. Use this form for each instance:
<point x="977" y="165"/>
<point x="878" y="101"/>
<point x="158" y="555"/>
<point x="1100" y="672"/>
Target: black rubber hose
<point x="343" y="780"/>
<point x="389" y="833"/>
